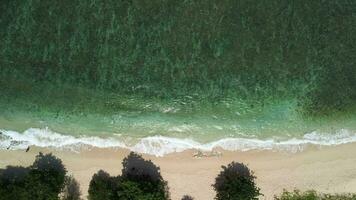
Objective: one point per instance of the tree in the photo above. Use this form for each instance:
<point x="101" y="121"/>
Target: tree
<point x="12" y="183"/>
<point x="101" y="186"/>
<point x="46" y="177"/>
<point x="137" y="168"/>
<point x="43" y="180"/>
<point x="142" y="176"/>
<point x="140" y="180"/>
<point x="50" y="170"/>
<point x="72" y="189"/>
<point x="312" y="195"/>
<point x="236" y="182"/>
<point x="187" y="197"/>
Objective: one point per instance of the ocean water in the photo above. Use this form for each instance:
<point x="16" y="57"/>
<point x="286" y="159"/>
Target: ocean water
<point x="167" y="128"/>
<point x="164" y="76"/>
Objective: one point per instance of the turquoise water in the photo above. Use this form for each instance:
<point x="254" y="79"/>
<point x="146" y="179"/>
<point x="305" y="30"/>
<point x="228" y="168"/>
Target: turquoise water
<point x="159" y="127"/>
<point x="164" y="76"/>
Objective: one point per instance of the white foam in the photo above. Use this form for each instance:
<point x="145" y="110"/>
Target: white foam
<point x="47" y="138"/>
<point x="160" y="145"/>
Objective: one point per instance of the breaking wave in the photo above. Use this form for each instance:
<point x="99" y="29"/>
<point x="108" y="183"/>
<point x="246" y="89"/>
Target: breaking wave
<point x="161" y="145"/>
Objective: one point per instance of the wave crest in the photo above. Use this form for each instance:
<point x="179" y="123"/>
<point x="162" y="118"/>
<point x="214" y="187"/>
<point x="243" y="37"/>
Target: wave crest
<point x="161" y="145"/>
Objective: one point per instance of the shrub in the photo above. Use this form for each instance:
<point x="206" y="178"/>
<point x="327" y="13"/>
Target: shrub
<point x="137" y="168"/>
<point x="187" y="197"/>
<point x="50" y="171"/>
<point x="140" y="180"/>
<point x="139" y="190"/>
<point x="72" y="189"/>
<point x="101" y="186"/>
<point x="44" y="179"/>
<point x="236" y="181"/>
<point x="297" y="195"/>
<point x="144" y="177"/>
<point x="313" y="195"/>
<point x="12" y="183"/>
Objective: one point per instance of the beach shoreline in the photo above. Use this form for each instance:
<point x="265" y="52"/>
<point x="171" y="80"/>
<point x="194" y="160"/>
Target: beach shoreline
<point x="324" y="169"/>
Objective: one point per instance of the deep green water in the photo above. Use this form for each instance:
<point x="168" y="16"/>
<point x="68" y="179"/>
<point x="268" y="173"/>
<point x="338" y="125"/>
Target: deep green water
<point x="203" y="70"/>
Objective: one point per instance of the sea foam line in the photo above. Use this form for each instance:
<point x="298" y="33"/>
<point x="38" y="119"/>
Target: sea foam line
<point x="161" y="145"/>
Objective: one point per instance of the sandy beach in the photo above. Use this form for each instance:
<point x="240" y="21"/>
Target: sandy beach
<point x="326" y="169"/>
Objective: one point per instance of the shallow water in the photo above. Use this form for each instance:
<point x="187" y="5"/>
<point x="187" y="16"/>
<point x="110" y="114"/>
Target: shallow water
<point x="159" y="128"/>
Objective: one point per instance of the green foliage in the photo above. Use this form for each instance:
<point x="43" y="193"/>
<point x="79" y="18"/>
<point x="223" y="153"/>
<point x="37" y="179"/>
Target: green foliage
<point x="313" y="195"/>
<point x="140" y="180"/>
<point x="187" y="197"/>
<point x="49" y="171"/>
<point x="137" y="168"/>
<point x="43" y="180"/>
<point x="169" y="49"/>
<point x="71" y="190"/>
<point x="102" y="186"/>
<point x="13" y="182"/>
<point x="297" y="195"/>
<point x="140" y="190"/>
<point x="236" y="181"/>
